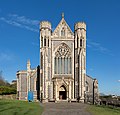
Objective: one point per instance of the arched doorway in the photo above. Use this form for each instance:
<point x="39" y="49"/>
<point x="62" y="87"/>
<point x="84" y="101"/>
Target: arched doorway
<point x="62" y="93"/>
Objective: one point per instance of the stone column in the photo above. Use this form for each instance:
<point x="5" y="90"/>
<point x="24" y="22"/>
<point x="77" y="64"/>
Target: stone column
<point x="43" y="41"/>
<point x="57" y="65"/>
<point x="70" y="90"/>
<point x="80" y="76"/>
<point x="56" y="92"/>
<point x="67" y="89"/>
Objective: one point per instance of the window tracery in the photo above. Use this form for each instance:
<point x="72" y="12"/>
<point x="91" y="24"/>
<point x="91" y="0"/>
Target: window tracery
<point x="63" y="60"/>
<point x="63" y="51"/>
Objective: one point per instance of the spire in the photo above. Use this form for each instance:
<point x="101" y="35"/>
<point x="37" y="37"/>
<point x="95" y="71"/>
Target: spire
<point x="28" y="65"/>
<point x="63" y="15"/>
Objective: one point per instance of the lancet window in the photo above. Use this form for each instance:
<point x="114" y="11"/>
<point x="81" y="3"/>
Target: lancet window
<point x="41" y="41"/>
<point x="48" y="42"/>
<point x="63" y="32"/>
<point x="45" y="41"/>
<point x="80" y="42"/>
<point x="63" y="60"/>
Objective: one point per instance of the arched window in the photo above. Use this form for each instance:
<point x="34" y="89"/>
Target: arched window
<point x="77" y="41"/>
<point x="63" y="32"/>
<point x="45" y="41"/>
<point x="63" y="63"/>
<point x="80" y="42"/>
<point x="87" y="86"/>
<point x="41" y="41"/>
<point x="48" y="42"/>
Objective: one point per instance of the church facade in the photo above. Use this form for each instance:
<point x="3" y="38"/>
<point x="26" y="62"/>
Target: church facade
<point x="62" y="71"/>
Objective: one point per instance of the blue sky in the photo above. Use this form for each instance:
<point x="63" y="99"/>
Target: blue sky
<point x="19" y="35"/>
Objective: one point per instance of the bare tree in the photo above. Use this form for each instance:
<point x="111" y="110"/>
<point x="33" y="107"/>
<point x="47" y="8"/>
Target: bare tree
<point x="0" y="74"/>
<point x="2" y="81"/>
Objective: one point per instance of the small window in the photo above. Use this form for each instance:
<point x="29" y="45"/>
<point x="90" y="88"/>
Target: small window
<point x="48" y="42"/>
<point x="86" y="88"/>
<point x="41" y="41"/>
<point x="80" y="42"/>
<point x="77" y="41"/>
<point x="45" y="42"/>
<point x="63" y="32"/>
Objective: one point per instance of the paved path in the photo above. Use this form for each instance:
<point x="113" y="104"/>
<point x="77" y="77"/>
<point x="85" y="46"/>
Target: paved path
<point x="63" y="108"/>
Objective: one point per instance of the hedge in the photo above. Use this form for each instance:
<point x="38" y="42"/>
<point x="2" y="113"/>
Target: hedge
<point x="4" y="90"/>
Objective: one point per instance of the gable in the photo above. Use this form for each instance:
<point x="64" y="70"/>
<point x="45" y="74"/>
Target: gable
<point x="63" y="30"/>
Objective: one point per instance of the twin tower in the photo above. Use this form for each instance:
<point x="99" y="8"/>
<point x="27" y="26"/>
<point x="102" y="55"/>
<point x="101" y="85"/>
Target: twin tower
<point x="62" y="62"/>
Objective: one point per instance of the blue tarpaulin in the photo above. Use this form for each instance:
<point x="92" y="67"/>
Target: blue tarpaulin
<point x="30" y="96"/>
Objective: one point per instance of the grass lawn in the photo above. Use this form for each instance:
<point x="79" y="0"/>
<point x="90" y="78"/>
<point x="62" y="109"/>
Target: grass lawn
<point x="16" y="107"/>
<point x="103" y="110"/>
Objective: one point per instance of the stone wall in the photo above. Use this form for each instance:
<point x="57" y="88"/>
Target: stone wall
<point x="12" y="96"/>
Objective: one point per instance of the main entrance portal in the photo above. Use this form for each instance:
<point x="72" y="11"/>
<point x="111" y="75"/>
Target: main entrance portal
<point x="62" y="93"/>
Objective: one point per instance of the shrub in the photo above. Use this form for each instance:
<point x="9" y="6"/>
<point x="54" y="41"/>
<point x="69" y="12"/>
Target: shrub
<point x="4" y="90"/>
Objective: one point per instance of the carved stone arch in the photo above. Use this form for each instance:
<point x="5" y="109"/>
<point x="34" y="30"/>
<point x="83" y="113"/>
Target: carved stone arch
<point x="64" y="84"/>
<point x="62" y="92"/>
<point x="62" y="88"/>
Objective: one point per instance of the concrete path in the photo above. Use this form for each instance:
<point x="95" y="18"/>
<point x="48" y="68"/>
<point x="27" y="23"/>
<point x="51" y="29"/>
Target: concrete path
<point x="63" y="108"/>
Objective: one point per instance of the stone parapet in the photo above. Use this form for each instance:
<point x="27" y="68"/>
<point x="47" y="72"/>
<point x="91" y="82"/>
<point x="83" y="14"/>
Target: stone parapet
<point x="45" y="24"/>
<point x="80" y="25"/>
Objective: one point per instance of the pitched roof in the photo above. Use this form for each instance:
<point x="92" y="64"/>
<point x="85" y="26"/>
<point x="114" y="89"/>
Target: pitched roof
<point x="62" y="24"/>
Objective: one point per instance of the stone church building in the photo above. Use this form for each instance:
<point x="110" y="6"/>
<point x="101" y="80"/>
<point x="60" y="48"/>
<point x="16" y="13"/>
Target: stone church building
<point x="62" y="71"/>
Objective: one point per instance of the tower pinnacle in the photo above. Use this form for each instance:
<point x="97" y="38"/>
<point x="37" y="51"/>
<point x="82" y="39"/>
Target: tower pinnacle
<point x="63" y="15"/>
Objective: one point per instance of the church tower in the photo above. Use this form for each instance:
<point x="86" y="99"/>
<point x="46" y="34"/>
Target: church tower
<point x="45" y="60"/>
<point x="80" y="59"/>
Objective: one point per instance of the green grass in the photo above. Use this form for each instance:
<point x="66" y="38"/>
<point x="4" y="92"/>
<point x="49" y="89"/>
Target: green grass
<point x="103" y="110"/>
<point x="16" y="107"/>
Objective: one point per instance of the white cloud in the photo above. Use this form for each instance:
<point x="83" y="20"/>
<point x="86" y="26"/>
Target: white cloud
<point x="5" y="57"/>
<point x="24" y="20"/>
<point x="21" y="22"/>
<point x="35" y="44"/>
<point x="118" y="80"/>
<point x="10" y="22"/>
<point x="98" y="47"/>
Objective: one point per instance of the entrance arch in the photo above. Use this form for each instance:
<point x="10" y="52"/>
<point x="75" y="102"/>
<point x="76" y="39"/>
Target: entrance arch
<point x="62" y="93"/>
